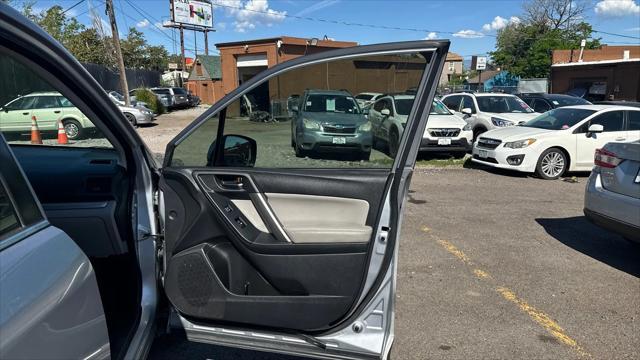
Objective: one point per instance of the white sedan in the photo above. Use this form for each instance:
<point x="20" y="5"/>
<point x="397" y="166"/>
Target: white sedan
<point x="559" y="140"/>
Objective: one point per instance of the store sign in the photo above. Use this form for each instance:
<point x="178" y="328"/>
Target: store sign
<point x="192" y="12"/>
<point x="173" y="66"/>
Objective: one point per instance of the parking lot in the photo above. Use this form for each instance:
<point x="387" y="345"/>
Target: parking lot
<point x="492" y="265"/>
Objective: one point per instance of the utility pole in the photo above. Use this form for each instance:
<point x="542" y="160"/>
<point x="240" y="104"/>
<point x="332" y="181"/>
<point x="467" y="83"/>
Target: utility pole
<point x="206" y="42"/>
<point x="115" y="35"/>
<point x="183" y="65"/>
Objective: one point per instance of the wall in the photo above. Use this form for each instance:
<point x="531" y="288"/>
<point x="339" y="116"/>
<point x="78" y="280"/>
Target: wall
<point x="604" y="53"/>
<point x="623" y="77"/>
<point x="457" y="69"/>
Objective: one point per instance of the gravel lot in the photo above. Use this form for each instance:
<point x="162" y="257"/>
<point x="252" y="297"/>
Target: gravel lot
<point x="493" y="265"/>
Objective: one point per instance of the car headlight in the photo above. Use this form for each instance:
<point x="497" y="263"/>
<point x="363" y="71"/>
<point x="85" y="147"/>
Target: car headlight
<point x="501" y="122"/>
<point x="467" y="127"/>
<point x="519" y="144"/>
<point x="365" y="127"/>
<point x="310" y="124"/>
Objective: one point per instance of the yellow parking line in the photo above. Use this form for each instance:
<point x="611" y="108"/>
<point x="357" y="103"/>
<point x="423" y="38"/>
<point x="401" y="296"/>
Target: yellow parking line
<point x="536" y="315"/>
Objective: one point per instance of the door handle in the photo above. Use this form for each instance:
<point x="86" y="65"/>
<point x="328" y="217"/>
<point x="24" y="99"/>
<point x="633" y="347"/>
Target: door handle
<point x="621" y="139"/>
<point x="232" y="185"/>
<point x="57" y="112"/>
<point x="25" y="113"/>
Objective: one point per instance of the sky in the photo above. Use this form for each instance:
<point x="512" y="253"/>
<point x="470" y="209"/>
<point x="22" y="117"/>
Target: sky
<point x="470" y="25"/>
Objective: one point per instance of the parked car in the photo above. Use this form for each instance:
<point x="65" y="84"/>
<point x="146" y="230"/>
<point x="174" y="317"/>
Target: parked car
<point x="119" y="99"/>
<point x="560" y="140"/>
<point x="445" y="131"/>
<point x="48" y="108"/>
<point x="541" y="102"/>
<point x="137" y="116"/>
<point x="163" y="96"/>
<point x="367" y="98"/>
<point x="330" y="120"/>
<point x="99" y="243"/>
<point x="487" y="111"/>
<point x="178" y="96"/>
<point x="619" y="103"/>
<point x="612" y="195"/>
<point x="194" y="100"/>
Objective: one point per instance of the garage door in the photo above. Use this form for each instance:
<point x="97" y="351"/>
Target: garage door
<point x="252" y="60"/>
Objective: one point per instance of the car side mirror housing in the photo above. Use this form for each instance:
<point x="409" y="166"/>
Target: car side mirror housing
<point x="238" y="151"/>
<point x="595" y="129"/>
<point x="294" y="108"/>
<point x="385" y="112"/>
<point x="467" y="111"/>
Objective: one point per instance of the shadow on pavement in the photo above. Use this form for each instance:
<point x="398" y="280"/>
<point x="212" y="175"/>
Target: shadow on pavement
<point x="581" y="235"/>
<point x="176" y="346"/>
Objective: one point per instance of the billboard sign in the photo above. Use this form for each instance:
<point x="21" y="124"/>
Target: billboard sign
<point x="478" y="62"/>
<point x="192" y="12"/>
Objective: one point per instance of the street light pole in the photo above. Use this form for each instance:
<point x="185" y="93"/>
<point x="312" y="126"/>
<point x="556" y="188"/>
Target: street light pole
<point x="115" y="36"/>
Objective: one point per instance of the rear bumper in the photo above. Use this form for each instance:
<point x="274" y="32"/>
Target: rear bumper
<point x="628" y="231"/>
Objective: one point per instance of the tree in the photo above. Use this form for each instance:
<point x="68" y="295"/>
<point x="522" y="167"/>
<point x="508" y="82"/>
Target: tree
<point x="524" y="48"/>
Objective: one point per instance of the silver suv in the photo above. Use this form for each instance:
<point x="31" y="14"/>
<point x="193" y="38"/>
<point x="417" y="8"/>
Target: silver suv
<point x="488" y="111"/>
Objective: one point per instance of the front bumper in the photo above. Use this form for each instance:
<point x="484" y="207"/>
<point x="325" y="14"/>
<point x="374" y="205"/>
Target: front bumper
<point x="457" y="145"/>
<point x="616" y="212"/>
<point x="320" y="141"/>
<point x="143" y="119"/>
<point x="498" y="158"/>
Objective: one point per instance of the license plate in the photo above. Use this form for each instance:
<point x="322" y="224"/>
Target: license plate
<point x="339" y="140"/>
<point x="444" y="141"/>
<point x="483" y="154"/>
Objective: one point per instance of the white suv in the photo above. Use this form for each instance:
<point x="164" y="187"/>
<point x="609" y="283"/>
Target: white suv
<point x="445" y="132"/>
<point x="487" y="111"/>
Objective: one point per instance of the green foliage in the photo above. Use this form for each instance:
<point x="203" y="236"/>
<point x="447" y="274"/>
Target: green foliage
<point x="147" y="96"/>
<point x="524" y="48"/>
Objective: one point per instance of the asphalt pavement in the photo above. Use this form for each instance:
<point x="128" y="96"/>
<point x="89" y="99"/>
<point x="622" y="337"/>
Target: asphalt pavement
<point x="497" y="265"/>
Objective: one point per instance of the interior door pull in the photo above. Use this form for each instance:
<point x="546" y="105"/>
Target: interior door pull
<point x="232" y="184"/>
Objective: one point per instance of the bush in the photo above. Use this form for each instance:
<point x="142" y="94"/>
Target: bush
<point x="147" y="96"/>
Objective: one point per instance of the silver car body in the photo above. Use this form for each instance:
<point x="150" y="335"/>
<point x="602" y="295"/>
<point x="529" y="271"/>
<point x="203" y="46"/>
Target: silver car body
<point x="143" y="116"/>
<point x="612" y="196"/>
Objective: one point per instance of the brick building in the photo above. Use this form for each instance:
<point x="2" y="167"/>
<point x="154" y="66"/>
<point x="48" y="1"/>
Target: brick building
<point x="607" y="73"/>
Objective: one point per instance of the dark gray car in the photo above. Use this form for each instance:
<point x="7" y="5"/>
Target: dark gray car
<point x="330" y="121"/>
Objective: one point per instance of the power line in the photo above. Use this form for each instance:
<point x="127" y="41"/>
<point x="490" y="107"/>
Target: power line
<point x="72" y="6"/>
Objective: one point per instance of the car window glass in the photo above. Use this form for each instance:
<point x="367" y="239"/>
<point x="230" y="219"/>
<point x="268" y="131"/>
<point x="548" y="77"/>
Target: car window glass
<point x="8" y="218"/>
<point x="327" y="130"/>
<point x="161" y="91"/>
<point x="611" y="121"/>
<point x="502" y="104"/>
<point x="540" y="106"/>
<point x="634" y="120"/>
<point x="44" y="106"/>
<point x="46" y="102"/>
<point x="364" y="97"/>
<point x="452" y="102"/>
<point x="467" y="103"/>
<point x="559" y="119"/>
<point x="404" y="104"/>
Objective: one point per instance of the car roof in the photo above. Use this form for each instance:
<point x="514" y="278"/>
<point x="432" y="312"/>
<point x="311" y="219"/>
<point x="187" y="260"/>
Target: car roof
<point x="328" y="92"/>
<point x="401" y="96"/>
<point x="44" y="93"/>
<point x="369" y="93"/>
<point x="600" y="107"/>
<point x="490" y="94"/>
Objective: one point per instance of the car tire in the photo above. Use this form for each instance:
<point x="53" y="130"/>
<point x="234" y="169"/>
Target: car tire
<point x="477" y="132"/>
<point x="299" y="152"/>
<point x="131" y="119"/>
<point x="365" y="155"/>
<point x="459" y="154"/>
<point x="394" y="141"/>
<point x="73" y="129"/>
<point x="552" y="164"/>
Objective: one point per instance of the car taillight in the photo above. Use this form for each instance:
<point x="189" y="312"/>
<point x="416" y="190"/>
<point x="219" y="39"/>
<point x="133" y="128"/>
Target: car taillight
<point x="606" y="159"/>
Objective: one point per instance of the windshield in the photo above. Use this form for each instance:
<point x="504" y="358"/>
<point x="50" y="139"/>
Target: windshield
<point x="502" y="104"/>
<point x="438" y="108"/>
<point x="117" y="95"/>
<point x="364" y="97"/>
<point x="179" y="91"/>
<point x="559" y="119"/>
<point x="568" y="101"/>
<point x="161" y="91"/>
<point x="331" y="103"/>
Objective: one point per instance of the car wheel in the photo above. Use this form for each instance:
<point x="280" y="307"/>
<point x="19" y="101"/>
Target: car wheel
<point x="299" y="152"/>
<point x="477" y="132"/>
<point x="365" y="155"/>
<point x="394" y="141"/>
<point x="459" y="154"/>
<point x="551" y="164"/>
<point x="73" y="129"/>
<point x="131" y="119"/>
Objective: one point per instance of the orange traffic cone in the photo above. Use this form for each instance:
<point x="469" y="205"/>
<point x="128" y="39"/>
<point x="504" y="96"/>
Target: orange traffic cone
<point x="35" y="132"/>
<point x="62" y="135"/>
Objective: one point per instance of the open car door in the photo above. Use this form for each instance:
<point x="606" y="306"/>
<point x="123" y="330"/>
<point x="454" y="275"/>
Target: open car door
<point x="281" y="230"/>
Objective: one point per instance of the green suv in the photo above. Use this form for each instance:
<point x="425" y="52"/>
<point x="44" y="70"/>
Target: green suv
<point x="48" y="108"/>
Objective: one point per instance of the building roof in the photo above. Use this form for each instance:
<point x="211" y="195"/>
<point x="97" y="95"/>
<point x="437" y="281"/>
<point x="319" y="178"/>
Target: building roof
<point x="603" y="53"/>
<point x="211" y="63"/>
<point x="451" y="56"/>
<point x="599" y="62"/>
<point x="486" y="75"/>
<point x="289" y="40"/>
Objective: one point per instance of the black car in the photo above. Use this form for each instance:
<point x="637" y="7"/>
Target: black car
<point x="541" y="102"/>
<point x="618" y="103"/>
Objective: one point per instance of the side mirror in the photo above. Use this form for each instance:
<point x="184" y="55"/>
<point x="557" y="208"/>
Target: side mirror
<point x="238" y="151"/>
<point x="467" y="111"/>
<point x="294" y="108"/>
<point x="595" y="129"/>
<point x="385" y="112"/>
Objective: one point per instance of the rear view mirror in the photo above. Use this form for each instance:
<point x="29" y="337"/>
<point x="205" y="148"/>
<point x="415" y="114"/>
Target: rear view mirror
<point x="385" y="112"/>
<point x="238" y="151"/>
<point x="595" y="129"/>
<point x="466" y="111"/>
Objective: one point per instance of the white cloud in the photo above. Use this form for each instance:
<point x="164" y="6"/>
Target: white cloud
<point x="617" y="8"/>
<point x="500" y="23"/>
<point x="316" y="6"/>
<point x="221" y="25"/>
<point x="250" y="13"/>
<point x="432" y="35"/>
<point x="633" y="29"/>
<point x="468" y="34"/>
<point x="143" y="24"/>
